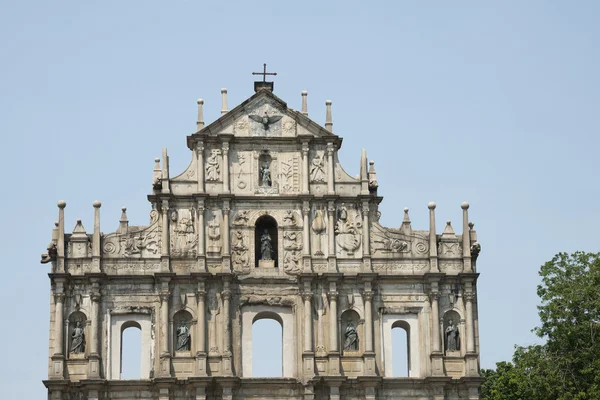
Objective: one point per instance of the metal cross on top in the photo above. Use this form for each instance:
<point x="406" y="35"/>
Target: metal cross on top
<point x="264" y="73"/>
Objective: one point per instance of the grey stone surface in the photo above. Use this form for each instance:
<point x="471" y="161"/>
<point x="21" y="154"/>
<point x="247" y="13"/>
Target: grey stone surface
<point x="196" y="277"/>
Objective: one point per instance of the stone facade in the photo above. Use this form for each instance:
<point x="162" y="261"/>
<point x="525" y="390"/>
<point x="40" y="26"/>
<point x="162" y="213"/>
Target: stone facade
<point x="264" y="223"/>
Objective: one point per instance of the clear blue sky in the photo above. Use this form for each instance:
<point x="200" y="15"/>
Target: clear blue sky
<point x="491" y="102"/>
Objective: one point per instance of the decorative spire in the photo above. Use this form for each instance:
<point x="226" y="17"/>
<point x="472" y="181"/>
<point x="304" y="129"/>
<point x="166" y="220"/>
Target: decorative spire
<point x="123" y="222"/>
<point x="165" y="172"/>
<point x="373" y="184"/>
<point x="96" y="235"/>
<point x="328" y="120"/>
<point x="156" y="175"/>
<point x="406" y="228"/>
<point x="432" y="239"/>
<point x="200" y="122"/>
<point x="304" y="106"/>
<point x="224" y="109"/>
<point x="364" y="174"/>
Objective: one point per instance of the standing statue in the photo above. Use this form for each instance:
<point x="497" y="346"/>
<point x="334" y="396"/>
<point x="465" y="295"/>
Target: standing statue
<point x="266" y="247"/>
<point x="77" y="339"/>
<point x="265" y="175"/>
<point x="212" y="166"/>
<point x="183" y="337"/>
<point x="351" y="342"/>
<point x="452" y="337"/>
<point x="317" y="170"/>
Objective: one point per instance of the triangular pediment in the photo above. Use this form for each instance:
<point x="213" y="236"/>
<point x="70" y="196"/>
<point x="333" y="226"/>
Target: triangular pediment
<point x="264" y="115"/>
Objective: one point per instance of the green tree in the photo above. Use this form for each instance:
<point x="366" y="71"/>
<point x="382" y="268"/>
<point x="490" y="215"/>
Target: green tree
<point x="567" y="366"/>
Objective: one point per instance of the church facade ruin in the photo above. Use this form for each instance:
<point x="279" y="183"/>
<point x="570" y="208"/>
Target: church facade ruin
<point x="264" y="223"/>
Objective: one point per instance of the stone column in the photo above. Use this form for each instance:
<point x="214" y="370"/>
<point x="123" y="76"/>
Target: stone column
<point x="308" y="329"/>
<point x="225" y="167"/>
<point x="94" y="357"/>
<point x="366" y="241"/>
<point x="165" y="236"/>
<point x="305" y="170"/>
<point x="226" y="250"/>
<point x="331" y="228"/>
<point x="330" y="167"/>
<point x="469" y="296"/>
<point x="333" y="326"/>
<point x="435" y="316"/>
<point x="200" y="331"/>
<point x="58" y="357"/>
<point x="306" y="228"/>
<point x="227" y="330"/>
<point x="200" y="228"/>
<point x="368" y="297"/>
<point x="165" y="357"/>
<point x="59" y="300"/>
<point x="200" y="165"/>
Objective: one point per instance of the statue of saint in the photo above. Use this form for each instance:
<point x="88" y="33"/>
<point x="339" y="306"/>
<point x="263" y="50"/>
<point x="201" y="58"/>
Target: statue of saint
<point x="351" y="342"/>
<point x="266" y="247"/>
<point x="77" y="339"/>
<point x="452" y="337"/>
<point x="265" y="175"/>
<point x="317" y="170"/>
<point x="212" y="167"/>
<point x="183" y="337"/>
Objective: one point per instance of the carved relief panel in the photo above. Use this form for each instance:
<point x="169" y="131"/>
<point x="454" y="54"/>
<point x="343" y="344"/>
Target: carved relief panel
<point x="289" y="172"/>
<point x="242" y="172"/>
<point x="348" y="231"/>
<point x="214" y="231"/>
<point x="137" y="242"/>
<point x="184" y="238"/>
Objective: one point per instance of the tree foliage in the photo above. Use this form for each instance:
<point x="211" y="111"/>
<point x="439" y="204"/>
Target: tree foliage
<point x="567" y="366"/>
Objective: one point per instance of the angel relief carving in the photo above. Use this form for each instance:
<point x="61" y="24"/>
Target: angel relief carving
<point x="137" y="242"/>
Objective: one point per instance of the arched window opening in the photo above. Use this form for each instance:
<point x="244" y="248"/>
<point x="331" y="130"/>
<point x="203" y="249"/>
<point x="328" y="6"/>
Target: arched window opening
<point x="401" y="349"/>
<point x="265" y="242"/>
<point x="267" y="345"/>
<point x="131" y="351"/>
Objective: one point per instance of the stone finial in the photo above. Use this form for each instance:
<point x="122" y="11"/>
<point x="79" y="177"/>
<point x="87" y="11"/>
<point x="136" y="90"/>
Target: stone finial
<point x="373" y="183"/>
<point x="61" y="204"/>
<point x="123" y="222"/>
<point x="431" y="205"/>
<point x="328" y="120"/>
<point x="200" y="121"/>
<point x="448" y="231"/>
<point x="96" y="234"/>
<point x="364" y="174"/>
<point x="304" y="104"/>
<point x="165" y="172"/>
<point x="55" y="232"/>
<point x="432" y="238"/>
<point x="224" y="109"/>
<point x="156" y="174"/>
<point x="406" y="228"/>
<point x="78" y="230"/>
<point x="60" y="242"/>
<point x="465" y="234"/>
